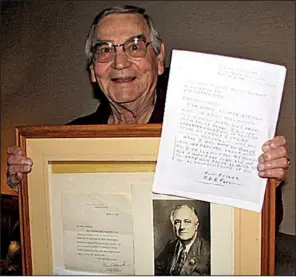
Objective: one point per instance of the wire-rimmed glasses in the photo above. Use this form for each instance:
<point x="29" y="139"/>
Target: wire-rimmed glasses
<point x="135" y="48"/>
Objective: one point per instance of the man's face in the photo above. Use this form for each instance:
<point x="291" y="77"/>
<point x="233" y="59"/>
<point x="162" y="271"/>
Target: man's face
<point x="124" y="80"/>
<point x="185" y="223"/>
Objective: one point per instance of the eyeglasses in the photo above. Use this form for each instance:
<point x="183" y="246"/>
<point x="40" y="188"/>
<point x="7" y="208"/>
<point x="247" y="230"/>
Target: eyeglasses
<point x="135" y="48"/>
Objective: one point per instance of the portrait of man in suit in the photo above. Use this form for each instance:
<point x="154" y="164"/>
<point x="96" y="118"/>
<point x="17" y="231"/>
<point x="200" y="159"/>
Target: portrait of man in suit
<point x="189" y="252"/>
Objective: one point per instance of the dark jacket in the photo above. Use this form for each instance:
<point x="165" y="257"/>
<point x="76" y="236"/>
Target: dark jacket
<point x="197" y="261"/>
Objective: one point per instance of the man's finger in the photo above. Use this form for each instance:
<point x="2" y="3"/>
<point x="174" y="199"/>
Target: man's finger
<point x="14" y="180"/>
<point x="277" y="173"/>
<point x="14" y="169"/>
<point x="278" y="163"/>
<point x="14" y="150"/>
<point x="274" y="143"/>
<point x="277" y="153"/>
<point x="18" y="160"/>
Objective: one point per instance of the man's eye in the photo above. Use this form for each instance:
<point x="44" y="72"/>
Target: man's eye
<point x="134" y="47"/>
<point x="104" y="49"/>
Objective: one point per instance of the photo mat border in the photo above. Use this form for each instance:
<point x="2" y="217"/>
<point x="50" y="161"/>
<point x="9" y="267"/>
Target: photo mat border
<point x="73" y="134"/>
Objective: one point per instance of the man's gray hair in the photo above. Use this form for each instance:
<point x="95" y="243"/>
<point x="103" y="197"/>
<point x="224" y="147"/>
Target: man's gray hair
<point x="182" y="206"/>
<point x="154" y="37"/>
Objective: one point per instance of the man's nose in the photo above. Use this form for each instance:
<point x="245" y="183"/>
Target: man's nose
<point x="121" y="59"/>
<point x="181" y="226"/>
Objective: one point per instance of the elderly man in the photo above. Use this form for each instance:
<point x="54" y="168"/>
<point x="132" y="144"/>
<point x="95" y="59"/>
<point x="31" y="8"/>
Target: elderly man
<point x="189" y="254"/>
<point x="126" y="59"/>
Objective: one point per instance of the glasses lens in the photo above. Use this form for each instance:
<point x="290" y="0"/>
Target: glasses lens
<point x="103" y="53"/>
<point x="135" y="48"/>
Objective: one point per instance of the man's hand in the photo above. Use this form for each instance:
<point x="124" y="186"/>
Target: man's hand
<point x="18" y="165"/>
<point x="274" y="161"/>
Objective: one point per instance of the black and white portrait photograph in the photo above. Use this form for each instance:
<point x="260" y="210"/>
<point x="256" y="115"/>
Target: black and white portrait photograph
<point x="181" y="237"/>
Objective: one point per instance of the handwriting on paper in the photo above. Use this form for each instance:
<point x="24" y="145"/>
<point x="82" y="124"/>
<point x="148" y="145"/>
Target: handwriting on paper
<point x="212" y="136"/>
<point x="219" y="112"/>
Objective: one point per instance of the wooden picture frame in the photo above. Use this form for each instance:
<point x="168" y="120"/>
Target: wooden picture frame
<point x="253" y="234"/>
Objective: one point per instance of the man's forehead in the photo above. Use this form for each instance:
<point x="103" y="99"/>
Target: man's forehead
<point x="120" y="27"/>
<point x="183" y="212"/>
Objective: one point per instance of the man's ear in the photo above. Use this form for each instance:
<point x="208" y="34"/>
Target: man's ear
<point x="196" y="227"/>
<point x="160" y="59"/>
<point x="92" y="74"/>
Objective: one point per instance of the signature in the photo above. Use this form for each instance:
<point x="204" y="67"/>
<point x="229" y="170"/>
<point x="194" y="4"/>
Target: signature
<point x="115" y="264"/>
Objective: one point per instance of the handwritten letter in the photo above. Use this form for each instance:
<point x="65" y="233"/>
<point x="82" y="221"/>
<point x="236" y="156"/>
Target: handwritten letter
<point x="219" y="111"/>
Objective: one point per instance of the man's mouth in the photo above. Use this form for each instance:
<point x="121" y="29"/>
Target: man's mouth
<point x="123" y="79"/>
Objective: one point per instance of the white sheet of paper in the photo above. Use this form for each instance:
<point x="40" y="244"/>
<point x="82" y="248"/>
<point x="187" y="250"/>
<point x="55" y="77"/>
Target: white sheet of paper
<point x="219" y="111"/>
<point x="99" y="237"/>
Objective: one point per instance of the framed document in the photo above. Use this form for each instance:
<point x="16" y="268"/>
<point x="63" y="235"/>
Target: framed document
<point x="87" y="207"/>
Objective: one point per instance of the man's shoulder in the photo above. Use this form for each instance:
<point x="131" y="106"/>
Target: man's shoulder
<point x="170" y="245"/>
<point x="201" y="246"/>
<point x="205" y="245"/>
<point x="167" y="251"/>
<point x="86" y="120"/>
<point x="100" y="116"/>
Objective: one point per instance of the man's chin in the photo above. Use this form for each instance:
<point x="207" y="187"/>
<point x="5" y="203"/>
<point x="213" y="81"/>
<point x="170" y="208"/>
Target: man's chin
<point x="123" y="99"/>
<point x="185" y="238"/>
